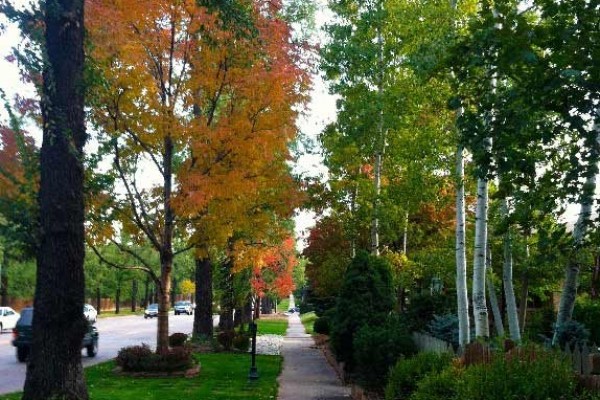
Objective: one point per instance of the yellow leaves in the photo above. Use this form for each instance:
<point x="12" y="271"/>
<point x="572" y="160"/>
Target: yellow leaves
<point x="187" y="287"/>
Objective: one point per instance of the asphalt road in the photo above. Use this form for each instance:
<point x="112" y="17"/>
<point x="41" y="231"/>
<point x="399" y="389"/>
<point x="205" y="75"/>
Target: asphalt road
<point x="115" y="333"/>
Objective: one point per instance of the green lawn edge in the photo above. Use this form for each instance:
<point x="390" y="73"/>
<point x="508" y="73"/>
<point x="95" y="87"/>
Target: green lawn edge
<point x="222" y="376"/>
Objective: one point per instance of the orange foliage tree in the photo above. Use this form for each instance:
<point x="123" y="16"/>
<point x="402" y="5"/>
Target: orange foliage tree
<point x="210" y="110"/>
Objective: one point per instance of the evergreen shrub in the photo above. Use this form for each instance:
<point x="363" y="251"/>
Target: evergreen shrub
<point x="322" y="325"/>
<point x="376" y="350"/>
<point x="587" y="311"/>
<point x="366" y="298"/>
<point x="572" y="332"/>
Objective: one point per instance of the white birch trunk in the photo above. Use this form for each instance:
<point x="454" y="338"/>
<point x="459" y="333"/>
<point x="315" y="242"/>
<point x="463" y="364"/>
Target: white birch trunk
<point x="405" y="234"/>
<point x="569" y="292"/>
<point x="375" y="221"/>
<point x="462" y="297"/>
<point x="492" y="295"/>
<point x="379" y="145"/>
<point x="507" y="279"/>
<point x="480" y="311"/>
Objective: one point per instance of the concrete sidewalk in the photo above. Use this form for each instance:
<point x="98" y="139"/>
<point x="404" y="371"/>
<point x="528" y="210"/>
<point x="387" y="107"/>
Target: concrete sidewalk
<point x="306" y="374"/>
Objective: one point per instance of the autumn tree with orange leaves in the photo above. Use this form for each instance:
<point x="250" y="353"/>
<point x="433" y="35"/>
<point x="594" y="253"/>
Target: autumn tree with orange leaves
<point x="209" y="109"/>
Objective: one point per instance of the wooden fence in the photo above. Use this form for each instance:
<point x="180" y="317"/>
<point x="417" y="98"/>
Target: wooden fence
<point x="582" y="358"/>
<point x="427" y="343"/>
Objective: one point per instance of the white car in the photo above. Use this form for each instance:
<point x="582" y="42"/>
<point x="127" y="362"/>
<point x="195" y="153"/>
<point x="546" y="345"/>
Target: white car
<point x="8" y="318"/>
<point x="90" y="313"/>
<point x="183" y="307"/>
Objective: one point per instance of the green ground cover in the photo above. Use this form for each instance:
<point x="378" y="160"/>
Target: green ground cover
<point x="308" y="321"/>
<point x="283" y="305"/>
<point x="276" y="326"/>
<point x="223" y="376"/>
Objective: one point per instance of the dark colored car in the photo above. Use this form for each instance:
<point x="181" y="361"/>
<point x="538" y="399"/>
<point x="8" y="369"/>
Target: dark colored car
<point x="22" y="336"/>
<point x="151" y="311"/>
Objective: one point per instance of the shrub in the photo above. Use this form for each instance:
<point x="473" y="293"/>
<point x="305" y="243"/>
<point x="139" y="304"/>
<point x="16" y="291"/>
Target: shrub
<point x="366" y="298"/>
<point x="175" y="359"/>
<point x="438" y="385"/>
<point x="539" y="324"/>
<point x="587" y="311"/>
<point x="376" y="350"/>
<point x="131" y="358"/>
<point x="225" y="339"/>
<point x="408" y="372"/>
<point x="444" y="327"/>
<point x="421" y="309"/>
<point x="142" y="359"/>
<point x="529" y="373"/>
<point x="241" y="342"/>
<point x="572" y="332"/>
<point x="177" y="339"/>
<point x="322" y="325"/>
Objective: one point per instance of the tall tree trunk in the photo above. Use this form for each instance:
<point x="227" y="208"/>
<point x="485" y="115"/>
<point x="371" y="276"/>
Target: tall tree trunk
<point x="569" y="292"/>
<point x="492" y="295"/>
<point x="147" y="292"/>
<point x="464" y="329"/>
<point x="524" y="295"/>
<point x="54" y="369"/>
<point x="98" y="300"/>
<point x="405" y="234"/>
<point x="203" y="319"/>
<point x="134" y="295"/>
<point x="164" y="291"/>
<point x="480" y="311"/>
<point x="595" y="278"/>
<point x="227" y="301"/>
<point x="173" y="292"/>
<point x="4" y="280"/>
<point x="507" y="280"/>
<point x="166" y="253"/>
<point x="379" y="145"/>
<point x="118" y="299"/>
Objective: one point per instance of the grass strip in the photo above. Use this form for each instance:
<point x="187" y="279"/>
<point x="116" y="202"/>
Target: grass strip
<point x="223" y="376"/>
<point x="308" y="320"/>
<point x="274" y="326"/>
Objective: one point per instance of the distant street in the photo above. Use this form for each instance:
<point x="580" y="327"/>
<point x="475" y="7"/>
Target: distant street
<point x="115" y="333"/>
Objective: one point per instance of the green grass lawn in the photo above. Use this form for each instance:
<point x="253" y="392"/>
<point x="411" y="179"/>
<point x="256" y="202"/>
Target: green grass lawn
<point x="223" y="376"/>
<point x="308" y="321"/>
<point x="283" y="305"/>
<point x="276" y="326"/>
<point x="122" y="313"/>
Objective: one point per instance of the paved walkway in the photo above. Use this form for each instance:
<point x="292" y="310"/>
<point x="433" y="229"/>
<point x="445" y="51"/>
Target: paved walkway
<point x="306" y="374"/>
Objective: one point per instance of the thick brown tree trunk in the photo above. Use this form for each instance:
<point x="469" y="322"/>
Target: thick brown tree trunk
<point x="118" y="299"/>
<point x="203" y="320"/>
<point x="134" y="295"/>
<point x="162" y="336"/>
<point x="54" y="369"/>
<point x="4" y="280"/>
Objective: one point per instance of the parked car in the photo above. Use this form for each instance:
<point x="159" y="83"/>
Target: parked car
<point x="90" y="313"/>
<point x="183" y="307"/>
<point x="22" y="336"/>
<point x="8" y="318"/>
<point x="151" y="311"/>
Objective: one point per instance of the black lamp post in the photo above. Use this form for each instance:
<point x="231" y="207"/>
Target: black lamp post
<point x="253" y="374"/>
